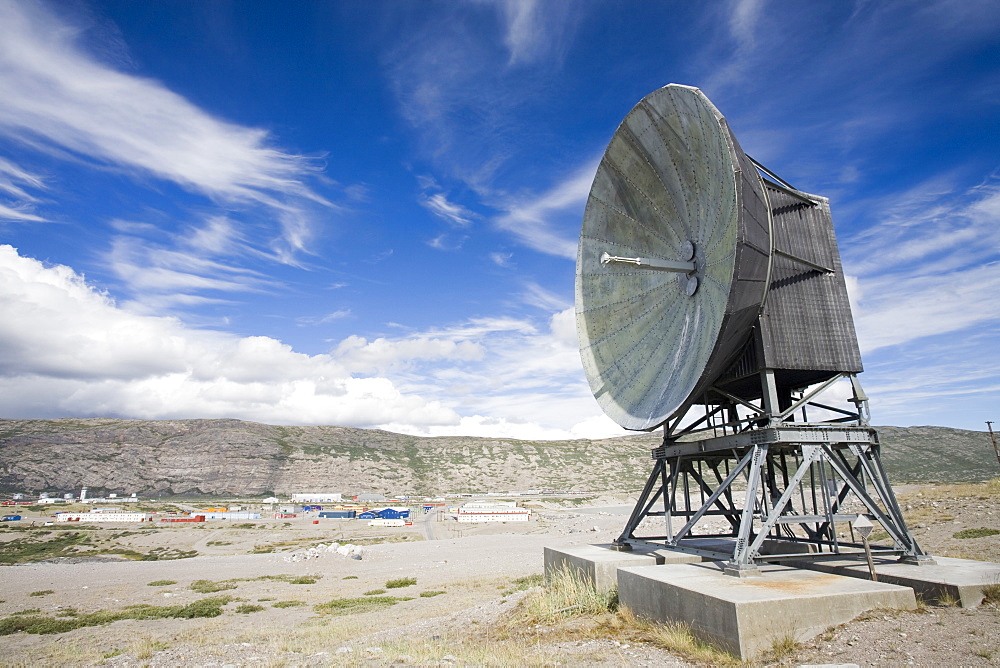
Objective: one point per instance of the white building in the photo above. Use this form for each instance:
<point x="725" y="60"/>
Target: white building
<point x="481" y="512"/>
<point x="316" y="497"/>
<point x="377" y="522"/>
<point x="104" y="517"/>
<point x="474" y="505"/>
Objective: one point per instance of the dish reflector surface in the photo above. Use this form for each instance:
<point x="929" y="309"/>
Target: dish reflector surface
<point x="672" y="178"/>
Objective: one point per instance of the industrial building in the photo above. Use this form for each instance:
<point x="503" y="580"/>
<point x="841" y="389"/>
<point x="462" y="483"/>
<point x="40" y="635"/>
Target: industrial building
<point x="385" y="514"/>
<point x="316" y="497"/>
<point x="492" y="511"/>
<point x="218" y="515"/>
<point x="104" y="517"/>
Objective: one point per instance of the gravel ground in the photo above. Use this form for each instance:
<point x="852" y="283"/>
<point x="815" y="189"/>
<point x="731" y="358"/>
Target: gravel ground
<point x="475" y="572"/>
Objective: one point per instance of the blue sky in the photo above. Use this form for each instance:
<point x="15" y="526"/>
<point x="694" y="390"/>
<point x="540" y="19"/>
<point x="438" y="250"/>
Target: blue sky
<point x="365" y="213"/>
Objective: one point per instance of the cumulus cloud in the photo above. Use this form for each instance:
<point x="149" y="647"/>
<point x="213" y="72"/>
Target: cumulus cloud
<point x="67" y="348"/>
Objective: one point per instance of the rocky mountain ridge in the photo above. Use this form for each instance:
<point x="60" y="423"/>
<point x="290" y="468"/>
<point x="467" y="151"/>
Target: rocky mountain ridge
<point x="233" y="457"/>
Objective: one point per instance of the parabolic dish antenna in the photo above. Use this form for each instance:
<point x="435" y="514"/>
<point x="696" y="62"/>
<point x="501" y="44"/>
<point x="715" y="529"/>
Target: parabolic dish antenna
<point x="673" y="260"/>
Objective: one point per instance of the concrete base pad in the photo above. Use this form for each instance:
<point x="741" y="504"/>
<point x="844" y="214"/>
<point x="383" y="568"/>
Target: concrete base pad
<point x="599" y="563"/>
<point x="960" y="580"/>
<point x="745" y="616"/>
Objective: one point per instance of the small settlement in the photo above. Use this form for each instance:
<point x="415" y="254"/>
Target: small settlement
<point x="318" y="505"/>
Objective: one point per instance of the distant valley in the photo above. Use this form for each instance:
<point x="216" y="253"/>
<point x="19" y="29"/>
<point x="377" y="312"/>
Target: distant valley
<point x="231" y="457"/>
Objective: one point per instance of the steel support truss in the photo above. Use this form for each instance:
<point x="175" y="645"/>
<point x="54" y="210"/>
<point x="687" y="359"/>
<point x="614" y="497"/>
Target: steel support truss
<point x="784" y="490"/>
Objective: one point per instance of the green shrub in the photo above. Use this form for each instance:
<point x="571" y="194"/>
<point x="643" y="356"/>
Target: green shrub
<point x="288" y="604"/>
<point x="400" y="582"/>
<point x="976" y="533"/>
<point x="352" y="606"/>
<point x="247" y="608"/>
<point x="209" y="587"/>
<point x="41" y="624"/>
<point x="161" y="583"/>
<point x="374" y="592"/>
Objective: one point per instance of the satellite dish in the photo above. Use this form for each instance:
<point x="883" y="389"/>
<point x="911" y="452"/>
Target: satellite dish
<point x="674" y="258"/>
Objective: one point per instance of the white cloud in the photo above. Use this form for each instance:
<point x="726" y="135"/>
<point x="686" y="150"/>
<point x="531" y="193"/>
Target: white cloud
<point x="57" y="97"/>
<point x="537" y="32"/>
<point x="931" y="266"/>
<point x="501" y="259"/>
<point x="450" y="212"/>
<point x="324" y="319"/>
<point x="20" y="205"/>
<point x="533" y="219"/>
<point x="358" y="355"/>
<point x="68" y="349"/>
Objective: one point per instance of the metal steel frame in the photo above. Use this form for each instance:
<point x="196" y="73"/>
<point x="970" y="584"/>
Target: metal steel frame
<point x="780" y="485"/>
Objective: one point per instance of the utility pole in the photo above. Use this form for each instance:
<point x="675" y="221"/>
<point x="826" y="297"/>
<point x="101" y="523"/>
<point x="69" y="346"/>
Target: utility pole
<point x="993" y="437"/>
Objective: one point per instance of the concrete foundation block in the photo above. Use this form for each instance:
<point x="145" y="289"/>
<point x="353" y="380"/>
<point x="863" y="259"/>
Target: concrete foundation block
<point x="600" y="563"/>
<point x="959" y="580"/>
<point x="746" y="616"/>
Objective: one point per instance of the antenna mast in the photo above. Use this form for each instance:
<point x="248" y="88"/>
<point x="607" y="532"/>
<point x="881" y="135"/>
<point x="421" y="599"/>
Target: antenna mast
<point x="993" y="437"/>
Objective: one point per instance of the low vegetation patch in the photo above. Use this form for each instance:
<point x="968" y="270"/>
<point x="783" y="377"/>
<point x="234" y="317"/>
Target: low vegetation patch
<point x="374" y="592"/>
<point x="44" y="624"/>
<point x="41" y="592"/>
<point x="283" y="577"/>
<point x="247" y="608"/>
<point x="168" y="553"/>
<point x="31" y="548"/>
<point x="569" y="607"/>
<point x="524" y="583"/>
<point x="209" y="587"/>
<point x="976" y="533"/>
<point x="161" y="583"/>
<point x="569" y="595"/>
<point x="400" y="583"/>
<point x="431" y="594"/>
<point x="353" y="606"/>
<point x="288" y="604"/>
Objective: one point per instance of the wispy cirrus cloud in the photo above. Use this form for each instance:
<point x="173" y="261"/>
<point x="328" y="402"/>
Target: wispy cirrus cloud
<point x="549" y="222"/>
<point x="450" y="212"/>
<point x="19" y="204"/>
<point x="62" y="100"/>
<point x="930" y="266"/>
<point x="537" y="31"/>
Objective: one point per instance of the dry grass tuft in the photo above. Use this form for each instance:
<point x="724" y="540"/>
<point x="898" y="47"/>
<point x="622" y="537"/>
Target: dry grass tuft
<point x="567" y="595"/>
<point x="678" y="638"/>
